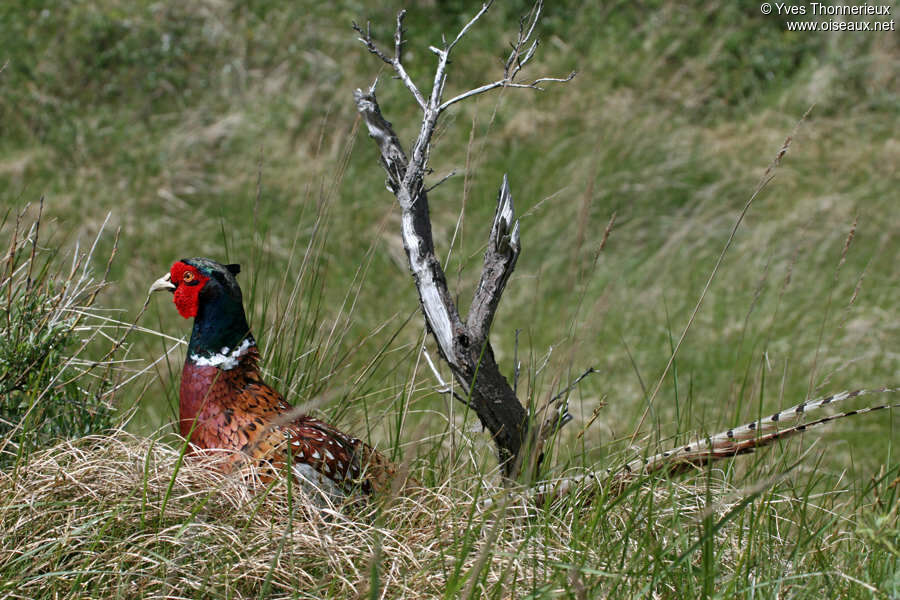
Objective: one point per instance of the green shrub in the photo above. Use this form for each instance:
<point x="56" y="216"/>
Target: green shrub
<point x="47" y="390"/>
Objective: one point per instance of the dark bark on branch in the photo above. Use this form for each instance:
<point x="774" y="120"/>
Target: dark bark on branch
<point x="499" y="261"/>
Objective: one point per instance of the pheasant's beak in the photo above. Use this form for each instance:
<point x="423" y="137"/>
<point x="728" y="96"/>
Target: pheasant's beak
<point x="163" y="283"/>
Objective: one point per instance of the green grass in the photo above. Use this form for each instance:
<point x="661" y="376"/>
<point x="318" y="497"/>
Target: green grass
<point x="47" y="388"/>
<point x="227" y="130"/>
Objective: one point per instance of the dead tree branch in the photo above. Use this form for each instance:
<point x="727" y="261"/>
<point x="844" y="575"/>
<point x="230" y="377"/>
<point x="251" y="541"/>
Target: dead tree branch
<point x="499" y="261"/>
<point x="557" y="417"/>
<point x="463" y="344"/>
<point x="366" y="39"/>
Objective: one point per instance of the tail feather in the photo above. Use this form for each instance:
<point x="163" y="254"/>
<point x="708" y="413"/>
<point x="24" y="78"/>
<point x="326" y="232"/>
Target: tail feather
<point x="739" y="440"/>
<point x="747" y="438"/>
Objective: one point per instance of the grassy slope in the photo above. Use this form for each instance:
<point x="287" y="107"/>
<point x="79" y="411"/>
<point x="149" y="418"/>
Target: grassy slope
<point x="163" y="113"/>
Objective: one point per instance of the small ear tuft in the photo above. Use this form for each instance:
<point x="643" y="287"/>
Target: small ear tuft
<point x="233" y="269"/>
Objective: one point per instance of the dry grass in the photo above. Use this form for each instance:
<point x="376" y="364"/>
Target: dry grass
<point x="120" y="516"/>
<point x="111" y="513"/>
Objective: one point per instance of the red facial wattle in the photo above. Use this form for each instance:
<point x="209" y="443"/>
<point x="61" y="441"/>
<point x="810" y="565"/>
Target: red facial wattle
<point x="189" y="282"/>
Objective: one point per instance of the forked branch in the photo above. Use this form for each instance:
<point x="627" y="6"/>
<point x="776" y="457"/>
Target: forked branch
<point x="395" y="61"/>
<point x="467" y="352"/>
<point x="464" y="345"/>
<point x="522" y="52"/>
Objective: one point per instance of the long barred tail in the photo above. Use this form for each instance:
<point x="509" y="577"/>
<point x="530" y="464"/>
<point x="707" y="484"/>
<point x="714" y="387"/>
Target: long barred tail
<point x="748" y="438"/>
<point x="740" y="440"/>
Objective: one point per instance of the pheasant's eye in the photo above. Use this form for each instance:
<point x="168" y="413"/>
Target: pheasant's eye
<point x="188" y="277"/>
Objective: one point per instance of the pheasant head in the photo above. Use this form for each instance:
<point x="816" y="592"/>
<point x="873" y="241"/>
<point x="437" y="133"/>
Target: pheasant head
<point x="209" y="293"/>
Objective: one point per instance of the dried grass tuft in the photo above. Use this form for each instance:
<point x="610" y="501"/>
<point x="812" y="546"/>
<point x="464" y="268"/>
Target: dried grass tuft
<point x="116" y="515"/>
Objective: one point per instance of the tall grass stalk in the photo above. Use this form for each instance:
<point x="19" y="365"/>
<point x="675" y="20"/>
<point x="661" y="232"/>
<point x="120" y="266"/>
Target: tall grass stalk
<point x="49" y="385"/>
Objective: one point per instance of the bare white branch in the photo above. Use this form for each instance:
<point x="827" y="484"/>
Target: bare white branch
<point x="395" y="62"/>
<point x="535" y="85"/>
<point x="467" y="26"/>
<point x="444" y="387"/>
<point x="514" y="56"/>
<point x="442" y="180"/>
<point x="415" y="224"/>
<point x="434" y="370"/>
<point x="463" y="345"/>
<point x="398" y="36"/>
<point x="366" y="39"/>
<point x="557" y="419"/>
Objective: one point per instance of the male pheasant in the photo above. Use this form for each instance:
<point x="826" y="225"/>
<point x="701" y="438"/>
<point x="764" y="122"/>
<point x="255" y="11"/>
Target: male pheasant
<point x="224" y="403"/>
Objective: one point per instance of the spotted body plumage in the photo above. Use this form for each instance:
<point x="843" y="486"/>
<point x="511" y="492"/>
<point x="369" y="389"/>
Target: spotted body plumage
<point x="224" y="403"/>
